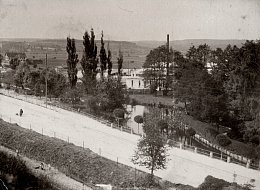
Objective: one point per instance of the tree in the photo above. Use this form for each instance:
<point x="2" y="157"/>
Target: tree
<point x="33" y="81"/>
<point x="110" y="94"/>
<point x="14" y="62"/>
<point x="156" y="67"/>
<point x="72" y="62"/>
<point x="120" y="60"/>
<point x="89" y="61"/>
<point x="119" y="114"/>
<point x="138" y="119"/>
<point x="109" y="62"/>
<point x="103" y="56"/>
<point x="151" y="150"/>
<point x="21" y="74"/>
<point x="56" y="82"/>
<point x="1" y="58"/>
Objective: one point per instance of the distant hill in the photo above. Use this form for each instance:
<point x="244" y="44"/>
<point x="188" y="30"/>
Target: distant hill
<point x="134" y="52"/>
<point x="184" y="45"/>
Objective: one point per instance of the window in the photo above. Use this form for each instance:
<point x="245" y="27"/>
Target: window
<point x="132" y="83"/>
<point x="139" y="83"/>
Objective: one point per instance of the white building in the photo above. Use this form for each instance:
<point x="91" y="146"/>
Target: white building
<point x="135" y="80"/>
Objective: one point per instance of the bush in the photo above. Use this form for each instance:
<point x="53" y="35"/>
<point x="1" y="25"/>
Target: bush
<point x="223" y="140"/>
<point x="119" y="113"/>
<point x="211" y="183"/>
<point x="138" y="119"/>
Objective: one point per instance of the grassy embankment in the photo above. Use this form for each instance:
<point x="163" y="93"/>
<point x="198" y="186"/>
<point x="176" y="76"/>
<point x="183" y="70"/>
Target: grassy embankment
<point x="76" y="162"/>
<point x="16" y="175"/>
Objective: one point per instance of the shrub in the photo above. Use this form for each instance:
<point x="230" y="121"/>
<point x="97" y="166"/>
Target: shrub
<point x="138" y="119"/>
<point x="223" y="140"/>
<point x="211" y="183"/>
<point x="119" y="113"/>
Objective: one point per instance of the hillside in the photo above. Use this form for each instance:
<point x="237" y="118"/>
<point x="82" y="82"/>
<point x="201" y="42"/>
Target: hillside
<point x="184" y="45"/>
<point x="134" y="52"/>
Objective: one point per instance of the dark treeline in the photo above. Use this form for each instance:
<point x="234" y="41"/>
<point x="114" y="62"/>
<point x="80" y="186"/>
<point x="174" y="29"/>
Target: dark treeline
<point x="222" y="87"/>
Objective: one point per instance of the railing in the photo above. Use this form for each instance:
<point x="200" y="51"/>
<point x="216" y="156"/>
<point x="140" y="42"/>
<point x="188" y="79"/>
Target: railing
<point x="225" y="155"/>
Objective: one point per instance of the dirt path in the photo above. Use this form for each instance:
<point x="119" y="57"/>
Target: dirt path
<point x="59" y="179"/>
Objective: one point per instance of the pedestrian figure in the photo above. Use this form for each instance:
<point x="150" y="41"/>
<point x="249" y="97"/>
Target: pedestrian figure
<point x="21" y="112"/>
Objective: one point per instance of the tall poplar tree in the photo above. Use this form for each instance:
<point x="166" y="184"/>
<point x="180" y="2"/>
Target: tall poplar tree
<point x="109" y="62"/>
<point x="103" y="56"/>
<point x="120" y="60"/>
<point x="89" y="60"/>
<point x="72" y="62"/>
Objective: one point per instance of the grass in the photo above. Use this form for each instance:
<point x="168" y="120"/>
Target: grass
<point x="146" y="99"/>
<point x="78" y="163"/>
<point x="15" y="174"/>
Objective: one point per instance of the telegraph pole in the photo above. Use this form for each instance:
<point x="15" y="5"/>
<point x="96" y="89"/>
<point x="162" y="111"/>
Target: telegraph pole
<point x="46" y="81"/>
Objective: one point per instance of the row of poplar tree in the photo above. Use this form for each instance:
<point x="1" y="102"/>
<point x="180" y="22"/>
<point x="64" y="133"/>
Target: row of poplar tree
<point x="89" y="61"/>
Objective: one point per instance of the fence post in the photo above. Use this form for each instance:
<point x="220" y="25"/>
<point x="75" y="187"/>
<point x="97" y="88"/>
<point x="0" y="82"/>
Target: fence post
<point x="121" y="128"/>
<point x="181" y="147"/>
<point x="228" y="159"/>
<point x="248" y="164"/>
<point x="196" y="150"/>
<point x="211" y="154"/>
<point x="111" y="125"/>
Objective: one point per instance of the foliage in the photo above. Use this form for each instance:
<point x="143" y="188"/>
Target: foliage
<point x="72" y="62"/>
<point x="211" y="183"/>
<point x="156" y="67"/>
<point x="14" y="62"/>
<point x="223" y="140"/>
<point x="151" y="149"/>
<point x="138" y="119"/>
<point x="103" y="56"/>
<point x="71" y="96"/>
<point x="190" y="132"/>
<point x="56" y="82"/>
<point x="89" y="61"/>
<point x="120" y="60"/>
<point x="151" y="152"/>
<point x="8" y="77"/>
<point x="110" y="94"/>
<point x="109" y="62"/>
<point x="119" y="113"/>
<point x="221" y="86"/>
<point x="21" y="74"/>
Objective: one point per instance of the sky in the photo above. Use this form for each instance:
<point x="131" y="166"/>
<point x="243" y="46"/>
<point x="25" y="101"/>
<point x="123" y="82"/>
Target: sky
<point x="131" y="20"/>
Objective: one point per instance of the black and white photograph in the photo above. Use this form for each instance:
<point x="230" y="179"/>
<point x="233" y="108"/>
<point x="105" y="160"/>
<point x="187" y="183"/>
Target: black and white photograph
<point x="129" y="94"/>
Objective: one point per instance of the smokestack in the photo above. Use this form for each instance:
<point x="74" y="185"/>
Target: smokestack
<point x="168" y="42"/>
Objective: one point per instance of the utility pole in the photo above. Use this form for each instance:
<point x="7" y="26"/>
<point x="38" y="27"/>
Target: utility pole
<point x="46" y="81"/>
